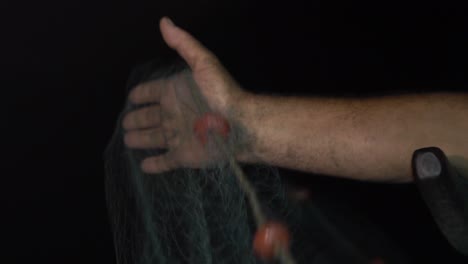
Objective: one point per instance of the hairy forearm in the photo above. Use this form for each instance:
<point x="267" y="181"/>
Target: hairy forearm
<point x="367" y="139"/>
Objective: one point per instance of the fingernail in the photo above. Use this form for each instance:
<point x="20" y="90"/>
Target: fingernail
<point x="169" y="21"/>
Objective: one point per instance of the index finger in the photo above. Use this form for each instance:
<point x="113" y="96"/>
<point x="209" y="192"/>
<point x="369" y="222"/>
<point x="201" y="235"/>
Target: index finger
<point x="148" y="92"/>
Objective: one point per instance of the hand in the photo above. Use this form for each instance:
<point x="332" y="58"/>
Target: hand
<point x="167" y="123"/>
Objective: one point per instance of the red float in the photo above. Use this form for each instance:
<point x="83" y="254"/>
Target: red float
<point x="210" y="122"/>
<point x="269" y="238"/>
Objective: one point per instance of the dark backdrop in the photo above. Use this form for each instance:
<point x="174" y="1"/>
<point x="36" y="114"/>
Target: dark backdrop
<point x="65" y="63"/>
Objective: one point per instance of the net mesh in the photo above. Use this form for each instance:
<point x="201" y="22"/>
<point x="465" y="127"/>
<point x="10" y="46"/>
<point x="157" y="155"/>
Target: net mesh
<point x="202" y="215"/>
<point x="185" y="215"/>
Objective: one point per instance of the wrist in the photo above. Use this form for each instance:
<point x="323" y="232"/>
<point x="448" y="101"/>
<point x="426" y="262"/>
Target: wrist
<point x="246" y="126"/>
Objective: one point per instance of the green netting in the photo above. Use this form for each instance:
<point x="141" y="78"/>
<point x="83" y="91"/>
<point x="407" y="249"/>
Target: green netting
<point x="202" y="215"/>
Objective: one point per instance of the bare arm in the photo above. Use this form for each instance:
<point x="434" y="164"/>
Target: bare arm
<point x="366" y="139"/>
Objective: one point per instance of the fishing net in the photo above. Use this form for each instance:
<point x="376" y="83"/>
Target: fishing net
<point x="205" y="214"/>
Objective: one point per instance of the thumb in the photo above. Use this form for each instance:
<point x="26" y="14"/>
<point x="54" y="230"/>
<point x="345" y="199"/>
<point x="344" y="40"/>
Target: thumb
<point x="191" y="50"/>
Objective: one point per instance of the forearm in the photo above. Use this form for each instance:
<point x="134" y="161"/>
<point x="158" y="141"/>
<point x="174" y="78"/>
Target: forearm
<point x="368" y="139"/>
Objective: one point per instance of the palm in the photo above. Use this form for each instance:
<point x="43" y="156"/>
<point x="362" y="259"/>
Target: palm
<point x="180" y="107"/>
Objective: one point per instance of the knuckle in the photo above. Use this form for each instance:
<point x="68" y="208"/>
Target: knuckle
<point x="209" y="61"/>
<point x="148" y="115"/>
<point x="206" y="62"/>
<point x="149" y="137"/>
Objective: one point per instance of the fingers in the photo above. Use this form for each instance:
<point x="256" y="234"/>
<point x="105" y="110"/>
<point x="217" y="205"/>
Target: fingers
<point x="194" y="53"/>
<point x="142" y="118"/>
<point x="149" y="92"/>
<point x="158" y="164"/>
<point x="145" y="139"/>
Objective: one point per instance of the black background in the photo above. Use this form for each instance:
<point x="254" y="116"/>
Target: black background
<point x="65" y="64"/>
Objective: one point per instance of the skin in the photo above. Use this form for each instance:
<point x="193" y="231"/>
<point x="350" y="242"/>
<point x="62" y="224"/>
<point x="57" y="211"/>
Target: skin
<point x="366" y="139"/>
